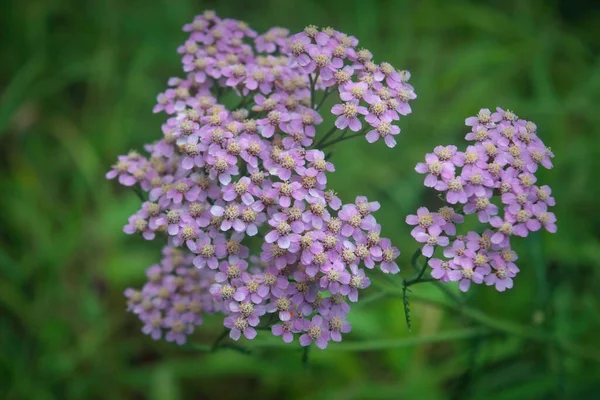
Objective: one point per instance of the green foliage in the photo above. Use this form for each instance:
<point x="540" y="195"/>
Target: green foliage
<point x="77" y="84"/>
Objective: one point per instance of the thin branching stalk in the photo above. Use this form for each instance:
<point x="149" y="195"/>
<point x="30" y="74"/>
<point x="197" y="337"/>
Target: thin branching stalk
<point x="325" y="95"/>
<point x="326" y="136"/>
<point x="340" y="139"/>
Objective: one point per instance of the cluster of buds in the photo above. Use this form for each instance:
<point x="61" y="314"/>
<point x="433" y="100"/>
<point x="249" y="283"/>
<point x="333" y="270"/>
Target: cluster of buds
<point x="240" y="193"/>
<point x="500" y="166"/>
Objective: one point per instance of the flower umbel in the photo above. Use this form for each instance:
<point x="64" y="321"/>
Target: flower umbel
<point x="222" y="174"/>
<point x="499" y="168"/>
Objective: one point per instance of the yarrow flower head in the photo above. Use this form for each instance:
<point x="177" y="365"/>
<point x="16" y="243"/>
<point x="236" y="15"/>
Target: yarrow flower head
<point x="493" y="178"/>
<point x="222" y="174"/>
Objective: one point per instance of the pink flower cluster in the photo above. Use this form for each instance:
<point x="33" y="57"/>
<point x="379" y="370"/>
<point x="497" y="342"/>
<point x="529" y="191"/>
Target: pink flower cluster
<point x="171" y="303"/>
<point x="499" y="166"/>
<point x="223" y="181"/>
<point x="377" y="94"/>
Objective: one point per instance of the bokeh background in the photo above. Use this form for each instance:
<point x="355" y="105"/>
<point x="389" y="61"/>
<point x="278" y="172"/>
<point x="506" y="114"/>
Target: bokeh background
<point x="78" y="80"/>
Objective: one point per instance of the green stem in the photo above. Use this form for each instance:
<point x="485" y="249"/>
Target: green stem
<point x="332" y="142"/>
<point x="139" y="193"/>
<point x="423" y="280"/>
<point x="491" y="322"/>
<point x="418" y="278"/>
<point x="406" y="305"/>
<point x="464" y="382"/>
<point x="313" y="84"/>
<point x="325" y="95"/>
<point x="305" y="356"/>
<point x="326" y="136"/>
<point x="414" y="258"/>
<point x="236" y="347"/>
<point x="217" y="342"/>
<point x="384" y="344"/>
<point x="204" y="348"/>
<point x="506" y="326"/>
<point x="367" y="345"/>
<point x="262" y="328"/>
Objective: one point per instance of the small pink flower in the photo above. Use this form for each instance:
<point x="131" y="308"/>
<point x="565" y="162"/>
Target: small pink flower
<point x="383" y="130"/>
<point x="440" y="268"/>
<point x="547" y="219"/>
<point x="348" y="115"/>
<point x="316" y="331"/>
<point x="439" y="172"/>
<point x="388" y="254"/>
<point x="432" y="237"/>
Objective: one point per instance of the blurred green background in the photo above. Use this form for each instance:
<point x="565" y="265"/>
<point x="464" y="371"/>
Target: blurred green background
<point x="78" y="80"/>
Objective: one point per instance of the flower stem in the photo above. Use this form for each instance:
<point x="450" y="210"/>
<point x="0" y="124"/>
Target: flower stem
<point x="424" y="280"/>
<point x="414" y="258"/>
<point x="312" y="90"/>
<point x="406" y="305"/>
<point x="508" y="327"/>
<point x="367" y="345"/>
<point x="326" y="136"/>
<point x="139" y="193"/>
<point x="313" y="84"/>
<point x="236" y="347"/>
<point x="217" y="342"/>
<point x="341" y="138"/>
<point x="325" y="95"/>
<point x="305" y="356"/>
<point x="418" y="278"/>
<point x="384" y="344"/>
